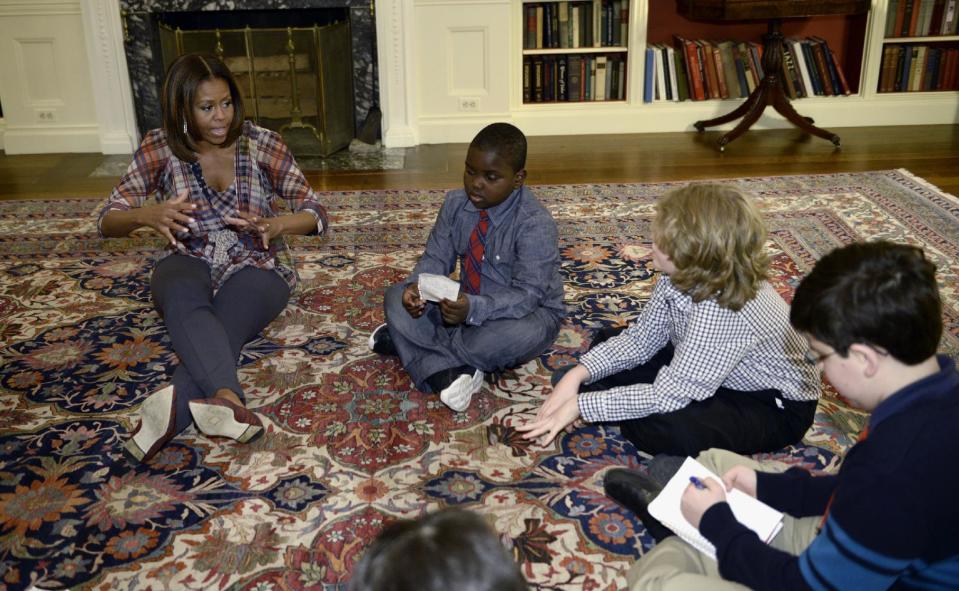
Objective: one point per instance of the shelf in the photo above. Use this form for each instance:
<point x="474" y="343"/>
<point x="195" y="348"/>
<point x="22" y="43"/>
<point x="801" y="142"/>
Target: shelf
<point x="571" y="50"/>
<point x="934" y="39"/>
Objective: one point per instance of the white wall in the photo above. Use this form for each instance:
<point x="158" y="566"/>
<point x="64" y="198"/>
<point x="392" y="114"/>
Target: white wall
<point x="45" y="84"/>
<point x="461" y="53"/>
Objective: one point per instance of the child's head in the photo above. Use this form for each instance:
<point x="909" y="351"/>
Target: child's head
<point x="201" y="102"/>
<point x="450" y="549"/>
<point x="495" y="164"/>
<point x="869" y="302"/>
<point x="711" y="241"/>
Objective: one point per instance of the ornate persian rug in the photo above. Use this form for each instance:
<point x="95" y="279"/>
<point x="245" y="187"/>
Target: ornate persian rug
<point x="351" y="444"/>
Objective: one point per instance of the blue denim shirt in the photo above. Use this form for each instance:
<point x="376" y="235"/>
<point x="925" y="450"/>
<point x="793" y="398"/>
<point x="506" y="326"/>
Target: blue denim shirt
<point x="520" y="270"/>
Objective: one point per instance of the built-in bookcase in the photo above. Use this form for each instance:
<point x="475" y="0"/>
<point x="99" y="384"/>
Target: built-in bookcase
<point x="920" y="51"/>
<point x="575" y="50"/>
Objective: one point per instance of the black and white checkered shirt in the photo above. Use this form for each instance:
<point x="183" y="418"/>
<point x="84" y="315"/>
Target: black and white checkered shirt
<point x="752" y="349"/>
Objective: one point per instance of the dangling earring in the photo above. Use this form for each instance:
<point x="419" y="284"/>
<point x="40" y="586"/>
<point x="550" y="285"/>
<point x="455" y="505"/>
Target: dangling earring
<point x="185" y="132"/>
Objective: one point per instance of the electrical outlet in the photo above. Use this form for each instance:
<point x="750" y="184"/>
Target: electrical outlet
<point x="469" y="103"/>
<point x="46" y="115"/>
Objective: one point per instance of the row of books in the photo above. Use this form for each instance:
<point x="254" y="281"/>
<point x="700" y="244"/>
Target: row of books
<point x="921" y="18"/>
<point x="566" y="24"/>
<point x="916" y="68"/>
<point x="573" y="78"/>
<point x="700" y="70"/>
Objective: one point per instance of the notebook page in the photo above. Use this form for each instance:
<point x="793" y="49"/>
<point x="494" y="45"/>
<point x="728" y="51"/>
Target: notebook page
<point x="754" y="514"/>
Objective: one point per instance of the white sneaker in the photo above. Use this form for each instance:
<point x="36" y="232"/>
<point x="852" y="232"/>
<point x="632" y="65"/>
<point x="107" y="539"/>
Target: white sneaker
<point x="457" y="395"/>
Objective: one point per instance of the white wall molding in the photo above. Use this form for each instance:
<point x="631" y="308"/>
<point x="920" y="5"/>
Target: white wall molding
<point x="39" y="8"/>
<point x="3" y="130"/>
<point x="111" y="82"/>
<point x="36" y="139"/>
<point x="394" y="33"/>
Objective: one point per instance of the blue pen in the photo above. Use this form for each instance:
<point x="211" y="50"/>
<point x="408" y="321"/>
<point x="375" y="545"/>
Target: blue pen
<point x="697" y="483"/>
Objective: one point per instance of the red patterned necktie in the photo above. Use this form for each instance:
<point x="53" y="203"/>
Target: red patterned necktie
<point x="473" y="260"/>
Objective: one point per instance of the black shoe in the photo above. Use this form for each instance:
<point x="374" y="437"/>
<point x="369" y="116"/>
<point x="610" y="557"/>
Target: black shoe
<point x="381" y="342"/>
<point x="635" y="491"/>
<point x="663" y="466"/>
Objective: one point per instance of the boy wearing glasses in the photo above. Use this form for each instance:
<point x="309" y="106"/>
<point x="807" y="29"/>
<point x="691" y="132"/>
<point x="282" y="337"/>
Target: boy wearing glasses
<point x="873" y="318"/>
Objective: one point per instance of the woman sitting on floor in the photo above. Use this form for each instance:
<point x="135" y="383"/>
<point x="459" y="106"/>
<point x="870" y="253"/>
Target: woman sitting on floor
<point x="217" y="183"/>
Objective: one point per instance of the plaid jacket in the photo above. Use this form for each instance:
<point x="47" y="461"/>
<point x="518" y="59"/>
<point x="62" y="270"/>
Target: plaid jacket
<point x="265" y="174"/>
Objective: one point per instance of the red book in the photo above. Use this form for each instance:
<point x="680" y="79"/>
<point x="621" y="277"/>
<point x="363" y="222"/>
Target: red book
<point x="900" y="16"/>
<point x="823" y="69"/>
<point x="914" y="23"/>
<point x="720" y="71"/>
<point x="712" y="80"/>
<point x="693" y="68"/>
<point x="840" y="74"/>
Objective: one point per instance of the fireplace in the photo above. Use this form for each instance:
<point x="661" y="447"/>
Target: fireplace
<point x="145" y="61"/>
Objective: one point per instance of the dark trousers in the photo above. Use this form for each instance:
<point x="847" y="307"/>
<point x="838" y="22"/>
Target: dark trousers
<point x="208" y="331"/>
<point x="745" y="422"/>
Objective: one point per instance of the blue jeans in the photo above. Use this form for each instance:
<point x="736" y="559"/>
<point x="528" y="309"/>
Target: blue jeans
<point x="208" y="331"/>
<point x="427" y="346"/>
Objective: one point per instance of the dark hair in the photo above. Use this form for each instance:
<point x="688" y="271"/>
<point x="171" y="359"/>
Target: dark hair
<point x="442" y="551"/>
<point x="875" y="293"/>
<point x="505" y="140"/>
<point x="179" y="90"/>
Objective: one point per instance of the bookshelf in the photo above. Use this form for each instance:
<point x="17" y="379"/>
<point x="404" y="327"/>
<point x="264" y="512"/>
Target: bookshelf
<point x="462" y="49"/>
<point x="574" y="50"/>
<point x="920" y="52"/>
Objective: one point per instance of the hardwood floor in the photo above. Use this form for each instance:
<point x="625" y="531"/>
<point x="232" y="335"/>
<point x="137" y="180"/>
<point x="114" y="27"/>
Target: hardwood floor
<point x="931" y="152"/>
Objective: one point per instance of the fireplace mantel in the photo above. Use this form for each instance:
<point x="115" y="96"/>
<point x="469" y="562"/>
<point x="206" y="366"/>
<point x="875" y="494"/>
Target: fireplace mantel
<point x="114" y="95"/>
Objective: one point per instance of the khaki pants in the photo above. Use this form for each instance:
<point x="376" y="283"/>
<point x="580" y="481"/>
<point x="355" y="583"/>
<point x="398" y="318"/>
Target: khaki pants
<point x="674" y="565"/>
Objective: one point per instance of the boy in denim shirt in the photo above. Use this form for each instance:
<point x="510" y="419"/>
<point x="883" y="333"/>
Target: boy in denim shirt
<point x="510" y="304"/>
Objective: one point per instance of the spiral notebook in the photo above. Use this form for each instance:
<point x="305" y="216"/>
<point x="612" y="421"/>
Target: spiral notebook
<point x="753" y="513"/>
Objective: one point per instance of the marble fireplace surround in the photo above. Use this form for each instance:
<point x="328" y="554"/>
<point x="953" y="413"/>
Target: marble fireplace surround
<point x="146" y="69"/>
<point x="117" y="79"/>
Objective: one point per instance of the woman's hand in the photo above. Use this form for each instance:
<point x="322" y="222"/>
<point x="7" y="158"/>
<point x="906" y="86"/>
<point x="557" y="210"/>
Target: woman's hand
<point x="266" y="228"/>
<point x="168" y="217"/>
<point x="696" y="501"/>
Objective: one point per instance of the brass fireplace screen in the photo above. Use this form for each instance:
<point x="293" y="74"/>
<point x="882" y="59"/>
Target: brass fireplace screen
<point x="296" y="81"/>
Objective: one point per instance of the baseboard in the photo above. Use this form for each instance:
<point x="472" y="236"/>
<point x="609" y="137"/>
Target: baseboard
<point x="3" y="130"/>
<point x="27" y="139"/>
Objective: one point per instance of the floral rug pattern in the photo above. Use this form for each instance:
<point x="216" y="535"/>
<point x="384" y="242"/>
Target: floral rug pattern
<point x="350" y="444"/>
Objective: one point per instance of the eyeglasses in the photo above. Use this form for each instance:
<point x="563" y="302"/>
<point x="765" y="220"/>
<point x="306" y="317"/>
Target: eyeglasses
<point x="813" y="358"/>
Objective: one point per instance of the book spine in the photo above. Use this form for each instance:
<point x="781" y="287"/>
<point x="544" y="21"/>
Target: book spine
<point x="682" y="78"/>
<point x="891" y="18"/>
<point x="538" y="80"/>
<point x="935" y="21"/>
<point x="649" y="75"/>
<point x="701" y="67"/>
<point x="900" y="18"/>
<point x="843" y="84"/>
<point x="786" y="77"/>
<point x="720" y="71"/>
<point x="755" y="50"/>
<point x="664" y="63"/>
<point x="913" y="13"/>
<point x="539" y="27"/>
<point x="671" y="68"/>
<point x="949" y="19"/>
<point x="823" y="68"/>
<point x="564" y="24"/>
<point x="527" y="89"/>
<point x="561" y="77"/>
<point x="832" y="69"/>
